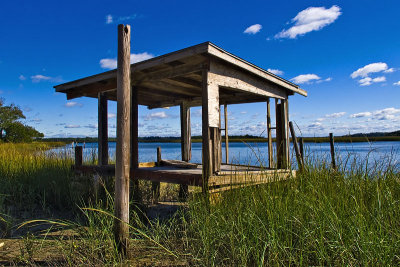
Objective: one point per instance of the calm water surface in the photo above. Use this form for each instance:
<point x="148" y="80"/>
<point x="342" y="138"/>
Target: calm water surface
<point x="257" y="153"/>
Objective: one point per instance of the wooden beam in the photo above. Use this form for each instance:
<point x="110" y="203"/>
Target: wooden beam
<point x="169" y="73"/>
<point x="269" y="136"/>
<point x="163" y="86"/>
<point x="102" y="129"/>
<point x="93" y="89"/>
<point x="226" y="134"/>
<point x="236" y="79"/>
<point x="191" y="101"/>
<point x="185" y="82"/>
<point x="122" y="168"/>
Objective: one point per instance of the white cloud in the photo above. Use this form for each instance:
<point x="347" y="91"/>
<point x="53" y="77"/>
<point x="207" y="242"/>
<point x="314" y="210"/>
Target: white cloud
<point x="368" y="81"/>
<point x="370" y="68"/>
<point x="38" y="78"/>
<point x="91" y="126"/>
<point x="22" y="77"/>
<point x="365" y="72"/>
<point x="108" y="63"/>
<point x="310" y="19"/>
<point x="111" y="115"/>
<point x="155" y="115"/>
<point x="72" y="104"/>
<point x="112" y="19"/>
<point x="275" y="71"/>
<point x="397" y="83"/>
<point x="335" y="115"/>
<point x="243" y="112"/>
<point x="381" y="114"/>
<point x="71" y="126"/>
<point x="140" y="57"/>
<point x="305" y="78"/>
<point x="386" y="114"/>
<point x="253" y="29"/>
<point x="361" y="115"/>
<point x="389" y="70"/>
<point x="109" y="19"/>
<point x="315" y="125"/>
<point x="111" y="63"/>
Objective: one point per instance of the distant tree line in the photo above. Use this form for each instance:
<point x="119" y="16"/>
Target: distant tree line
<point x="11" y="127"/>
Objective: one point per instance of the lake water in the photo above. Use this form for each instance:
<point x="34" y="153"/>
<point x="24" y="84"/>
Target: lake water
<point x="255" y="153"/>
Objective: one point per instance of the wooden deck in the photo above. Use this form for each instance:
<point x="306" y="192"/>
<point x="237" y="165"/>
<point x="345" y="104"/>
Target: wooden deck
<point x="230" y="174"/>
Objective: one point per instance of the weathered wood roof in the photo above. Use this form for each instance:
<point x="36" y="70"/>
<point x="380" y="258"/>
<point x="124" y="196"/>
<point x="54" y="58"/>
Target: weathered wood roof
<point x="170" y="79"/>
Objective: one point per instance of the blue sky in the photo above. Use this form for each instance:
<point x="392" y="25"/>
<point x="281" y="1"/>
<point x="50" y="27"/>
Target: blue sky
<point x="346" y="54"/>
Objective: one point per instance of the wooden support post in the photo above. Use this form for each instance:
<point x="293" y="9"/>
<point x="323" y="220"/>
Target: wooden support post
<point x="332" y="143"/>
<point x="155" y="186"/>
<point x="186" y="135"/>
<point x="296" y="148"/>
<point x="122" y="165"/>
<point x="78" y="156"/>
<point x="135" y="143"/>
<point x="211" y="135"/>
<point x="279" y="145"/>
<point x="186" y="144"/>
<point x="269" y="136"/>
<point x="226" y="134"/>
<point x="285" y="132"/>
<point x="206" y="159"/>
<point x="301" y="143"/>
<point x="102" y="130"/>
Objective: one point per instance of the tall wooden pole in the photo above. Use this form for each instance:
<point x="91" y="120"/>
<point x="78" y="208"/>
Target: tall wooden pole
<point x="226" y="134"/>
<point x="186" y="144"/>
<point x="332" y="143"/>
<point x="122" y="165"/>
<point x="269" y="135"/>
<point x="102" y="129"/>
<point x="279" y="137"/>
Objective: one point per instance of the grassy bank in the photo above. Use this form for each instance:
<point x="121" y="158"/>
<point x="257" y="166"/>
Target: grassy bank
<point x="323" y="217"/>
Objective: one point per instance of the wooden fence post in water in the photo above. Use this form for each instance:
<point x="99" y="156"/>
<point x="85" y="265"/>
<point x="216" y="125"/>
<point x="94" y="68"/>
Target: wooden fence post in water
<point x="78" y="156"/>
<point x="296" y="148"/>
<point x="332" y="143"/>
<point x="122" y="165"/>
<point x="155" y="186"/>
<point x="301" y="145"/>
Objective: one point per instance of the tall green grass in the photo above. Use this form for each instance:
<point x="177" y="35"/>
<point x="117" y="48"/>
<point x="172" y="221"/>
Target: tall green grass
<point x="348" y="216"/>
<point x="32" y="178"/>
<point x="319" y="218"/>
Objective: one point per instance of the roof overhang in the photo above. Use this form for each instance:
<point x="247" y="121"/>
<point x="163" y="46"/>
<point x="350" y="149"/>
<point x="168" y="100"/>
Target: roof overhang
<point x="169" y="79"/>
